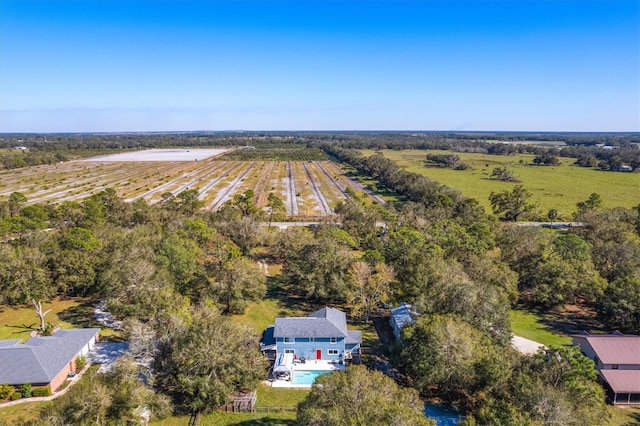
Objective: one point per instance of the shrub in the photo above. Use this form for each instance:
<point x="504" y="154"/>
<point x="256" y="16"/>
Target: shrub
<point x="41" y="391"/>
<point x="5" y="391"/>
<point x="81" y="362"/>
<point x="27" y="389"/>
<point x="15" y="395"/>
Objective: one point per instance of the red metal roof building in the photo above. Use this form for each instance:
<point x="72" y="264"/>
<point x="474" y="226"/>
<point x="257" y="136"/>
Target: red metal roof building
<point x="617" y="359"/>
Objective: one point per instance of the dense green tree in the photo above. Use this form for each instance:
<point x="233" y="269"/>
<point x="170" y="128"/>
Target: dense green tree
<point x="235" y="283"/>
<point x="204" y="358"/>
<point x="592" y="203"/>
<point x="504" y="174"/>
<point x="368" y="286"/>
<point x="117" y="397"/>
<point x="276" y="208"/>
<point x="512" y="204"/>
<point x="446" y="356"/>
<point x="360" y="397"/>
<point x="547" y="158"/>
<point x="23" y="275"/>
<point x="619" y="306"/>
<point x="320" y="268"/>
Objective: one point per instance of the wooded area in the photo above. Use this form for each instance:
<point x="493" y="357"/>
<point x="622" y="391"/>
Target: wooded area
<point x="175" y="273"/>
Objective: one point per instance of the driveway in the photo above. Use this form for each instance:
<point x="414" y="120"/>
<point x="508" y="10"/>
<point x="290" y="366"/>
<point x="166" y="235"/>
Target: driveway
<point x="106" y="353"/>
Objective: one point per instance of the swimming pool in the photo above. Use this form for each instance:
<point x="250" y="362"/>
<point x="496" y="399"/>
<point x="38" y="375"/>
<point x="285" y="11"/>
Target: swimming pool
<point x="305" y="377"/>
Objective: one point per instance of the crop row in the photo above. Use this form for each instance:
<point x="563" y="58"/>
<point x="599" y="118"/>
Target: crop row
<point x="311" y="188"/>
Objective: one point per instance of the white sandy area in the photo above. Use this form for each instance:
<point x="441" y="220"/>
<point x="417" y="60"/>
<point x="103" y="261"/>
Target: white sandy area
<point x="182" y="154"/>
<point x="526" y="346"/>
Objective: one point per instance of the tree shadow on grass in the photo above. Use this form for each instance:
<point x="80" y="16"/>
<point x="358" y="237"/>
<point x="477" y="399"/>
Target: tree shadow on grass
<point x="635" y="420"/>
<point x="572" y="320"/>
<point x="81" y="316"/>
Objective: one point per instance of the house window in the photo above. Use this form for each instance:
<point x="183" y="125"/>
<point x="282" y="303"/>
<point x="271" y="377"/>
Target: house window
<point x="614" y="366"/>
<point x="334" y="339"/>
<point x="311" y="339"/>
<point x="289" y="351"/>
<point x="288" y="340"/>
<point x="332" y="352"/>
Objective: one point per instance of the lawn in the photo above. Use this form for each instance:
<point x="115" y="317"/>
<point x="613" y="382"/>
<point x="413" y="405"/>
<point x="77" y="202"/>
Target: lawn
<point x="553" y="187"/>
<point x="530" y="326"/>
<point x="235" y="419"/>
<point x="26" y="411"/>
<point x="18" y="322"/>
<point x="623" y="416"/>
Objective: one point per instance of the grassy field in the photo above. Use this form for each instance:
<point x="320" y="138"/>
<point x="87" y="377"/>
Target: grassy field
<point x="26" y="411"/>
<point x="557" y="187"/>
<point x="18" y="322"/>
<point x="530" y="326"/>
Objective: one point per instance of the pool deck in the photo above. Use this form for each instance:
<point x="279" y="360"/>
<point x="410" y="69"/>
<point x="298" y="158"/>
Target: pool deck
<point x="311" y="365"/>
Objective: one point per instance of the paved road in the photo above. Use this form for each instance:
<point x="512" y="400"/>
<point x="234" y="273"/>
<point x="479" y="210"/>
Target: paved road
<point x="555" y="225"/>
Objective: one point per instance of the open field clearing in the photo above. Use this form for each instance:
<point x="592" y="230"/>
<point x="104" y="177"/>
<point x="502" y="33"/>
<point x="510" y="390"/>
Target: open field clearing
<point x="553" y="187"/>
<point x="308" y="188"/>
<point x="162" y="155"/>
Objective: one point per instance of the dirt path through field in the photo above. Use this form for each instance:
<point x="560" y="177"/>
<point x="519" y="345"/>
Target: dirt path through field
<point x="331" y="178"/>
<point x="260" y="189"/>
<point x="208" y="186"/>
<point x="357" y="185"/>
<point x="317" y="194"/>
<point x="147" y="195"/>
<point x="292" y="203"/>
<point x="207" y="172"/>
<point x="225" y="193"/>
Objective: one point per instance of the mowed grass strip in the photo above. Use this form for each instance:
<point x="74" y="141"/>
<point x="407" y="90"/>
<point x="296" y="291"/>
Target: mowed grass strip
<point x="237" y="419"/>
<point x="530" y="326"/>
<point x="553" y="187"/>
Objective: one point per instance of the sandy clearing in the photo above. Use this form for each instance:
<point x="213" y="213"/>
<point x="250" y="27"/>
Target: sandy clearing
<point x="526" y="346"/>
<point x="160" y="155"/>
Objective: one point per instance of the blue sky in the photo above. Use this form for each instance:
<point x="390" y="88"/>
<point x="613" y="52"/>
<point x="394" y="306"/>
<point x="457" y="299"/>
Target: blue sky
<point x="97" y="65"/>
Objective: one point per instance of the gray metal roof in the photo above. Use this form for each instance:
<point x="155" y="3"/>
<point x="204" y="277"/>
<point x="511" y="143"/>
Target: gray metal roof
<point x="40" y="359"/>
<point x="327" y="322"/>
<point x="402" y="315"/>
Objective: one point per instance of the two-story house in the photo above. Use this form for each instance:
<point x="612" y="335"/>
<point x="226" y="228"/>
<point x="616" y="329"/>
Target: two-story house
<point x="323" y="335"/>
<point x="617" y="359"/>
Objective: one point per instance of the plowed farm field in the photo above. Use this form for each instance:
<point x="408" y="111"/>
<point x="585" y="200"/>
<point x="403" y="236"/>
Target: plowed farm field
<point x="308" y="189"/>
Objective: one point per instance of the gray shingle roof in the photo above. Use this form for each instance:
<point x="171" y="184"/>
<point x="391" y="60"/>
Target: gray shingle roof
<point x="327" y="322"/>
<point x="40" y="359"/>
<point x="354" y="336"/>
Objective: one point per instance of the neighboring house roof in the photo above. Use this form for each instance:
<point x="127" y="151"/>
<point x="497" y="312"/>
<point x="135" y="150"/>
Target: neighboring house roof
<point x="327" y="322"/>
<point x="622" y="381"/>
<point x="40" y="359"/>
<point x="614" y="348"/>
<point x="402" y="315"/>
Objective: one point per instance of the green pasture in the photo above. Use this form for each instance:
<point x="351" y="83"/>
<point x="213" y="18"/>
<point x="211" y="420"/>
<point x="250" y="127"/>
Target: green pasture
<point x="553" y="187"/>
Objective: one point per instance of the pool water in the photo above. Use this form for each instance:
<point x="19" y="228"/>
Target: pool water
<point x="302" y="377"/>
<point x="443" y="415"/>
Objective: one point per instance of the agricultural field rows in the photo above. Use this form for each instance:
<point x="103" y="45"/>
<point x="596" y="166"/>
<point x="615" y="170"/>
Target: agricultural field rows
<point x="308" y="189"/>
